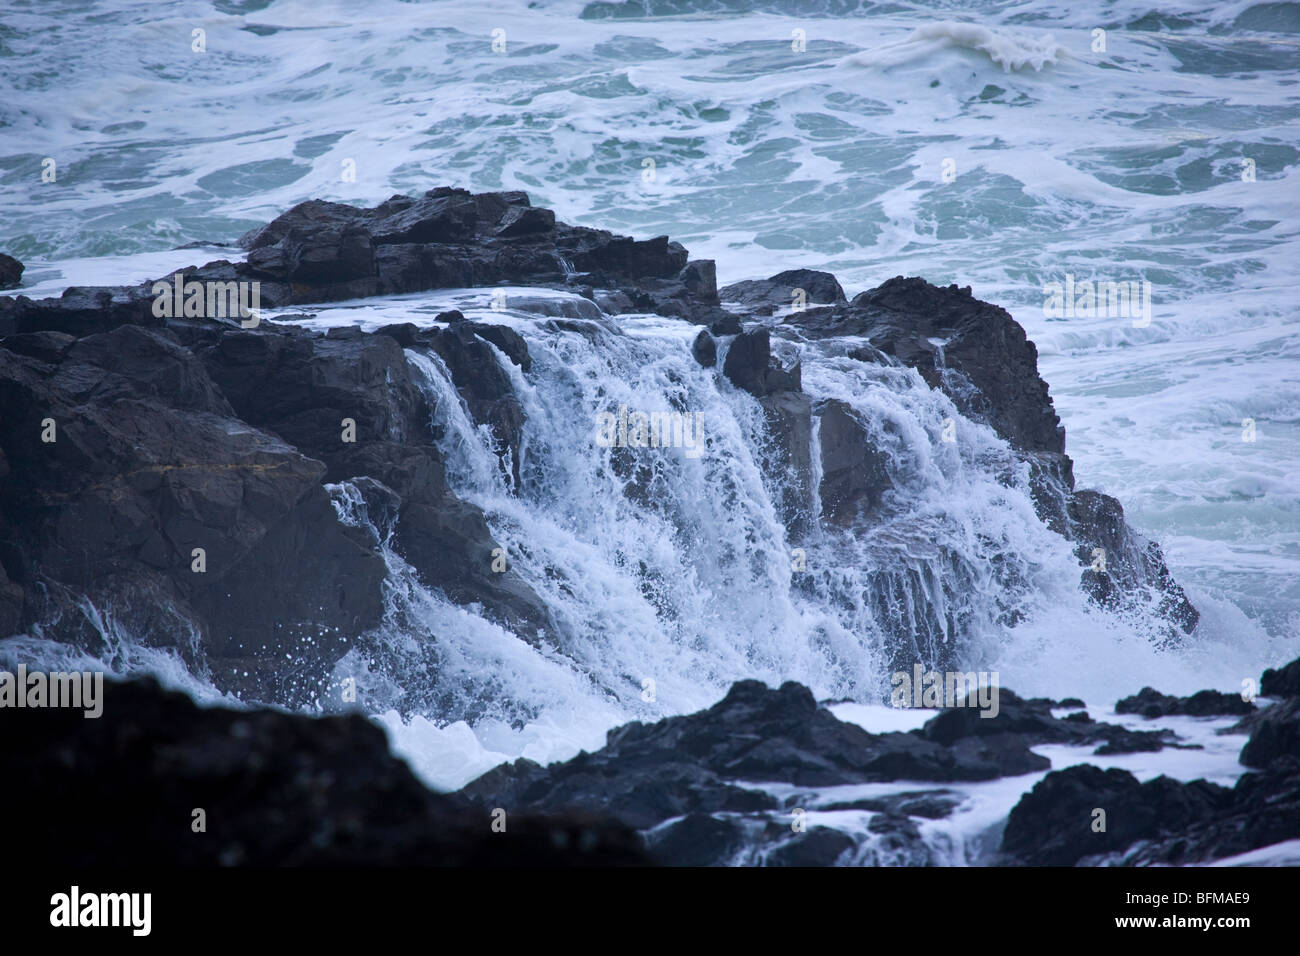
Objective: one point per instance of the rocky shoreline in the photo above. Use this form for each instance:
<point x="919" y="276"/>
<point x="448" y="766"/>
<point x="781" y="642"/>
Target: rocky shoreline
<point x="178" y="432"/>
<point x="697" y="790"/>
<point x="181" y="474"/>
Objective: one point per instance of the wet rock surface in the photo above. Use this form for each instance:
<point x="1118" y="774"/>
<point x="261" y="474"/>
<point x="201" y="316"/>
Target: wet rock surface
<point x="1165" y="821"/>
<point x="202" y="476"/>
<point x="275" y="789"/>
<point x="299" y="387"/>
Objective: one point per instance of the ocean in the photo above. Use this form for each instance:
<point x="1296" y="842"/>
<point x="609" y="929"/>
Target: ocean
<point x="1000" y="145"/>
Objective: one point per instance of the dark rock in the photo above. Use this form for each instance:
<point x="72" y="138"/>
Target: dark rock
<point x="406" y="334"/>
<point x="614" y="302"/>
<point x="983" y="347"/>
<point x="779" y="290"/>
<point x="79" y="311"/>
<point x="277" y="790"/>
<point x="1031" y="722"/>
<point x="11" y="272"/>
<point x="1151" y="703"/>
<point x="929" y="804"/>
<point x="726" y="324"/>
<point x="705" y="350"/>
<point x="697" y="840"/>
<point x="788" y="415"/>
<point x="980" y="358"/>
<point x="485" y="386"/>
<point x="749" y="365"/>
<point x="854" y="474"/>
<point x="1134" y="566"/>
<point x="1283" y="682"/>
<point x="1264" y="809"/>
<point x="817" y="846"/>
<point x="1052" y="825"/>
<point x="699" y="278"/>
<point x="150" y="463"/>
<point x="525" y="221"/>
<point x="1139" y="742"/>
<point x="44" y="346"/>
<point x="647" y="774"/>
<point x="11" y="596"/>
<point x="1276" y="735"/>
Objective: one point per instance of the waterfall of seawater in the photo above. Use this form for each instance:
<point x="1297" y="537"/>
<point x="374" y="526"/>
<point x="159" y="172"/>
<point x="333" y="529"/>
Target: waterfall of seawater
<point x="670" y="574"/>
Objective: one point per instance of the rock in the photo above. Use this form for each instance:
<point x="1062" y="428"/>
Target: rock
<point x="726" y="324"/>
<point x="1275" y="735"/>
<point x="277" y="789"/>
<point x="1151" y="703"/>
<point x="817" y="846"/>
<point x="485" y="386"/>
<point x="982" y="343"/>
<point x="749" y="365"/>
<point x="697" y="839"/>
<point x="854" y="473"/>
<point x="699" y="279"/>
<point x="1264" y="810"/>
<point x="705" y="350"/>
<point x="781" y="289"/>
<point x="11" y="272"/>
<point x="1133" y="566"/>
<point x="150" y="463"/>
<point x="930" y="804"/>
<point x="1283" y="682"/>
<point x="510" y="342"/>
<point x="451" y="238"/>
<point x="788" y="415"/>
<point x="11" y="598"/>
<point x="648" y="774"/>
<point x="1052" y="825"/>
<point x="980" y="358"/>
<point x="209" y="435"/>
<point x="1031" y="721"/>
<point x="79" y="311"/>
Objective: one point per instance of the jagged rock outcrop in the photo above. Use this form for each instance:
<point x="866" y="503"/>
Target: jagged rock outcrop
<point x="178" y="432"/>
<point x="205" y="435"/>
<point x="980" y="357"/>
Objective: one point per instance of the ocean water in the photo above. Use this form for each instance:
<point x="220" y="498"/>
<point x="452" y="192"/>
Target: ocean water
<point x="992" y="144"/>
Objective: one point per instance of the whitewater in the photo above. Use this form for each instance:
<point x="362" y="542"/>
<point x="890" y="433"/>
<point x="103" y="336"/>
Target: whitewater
<point x="987" y="144"/>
